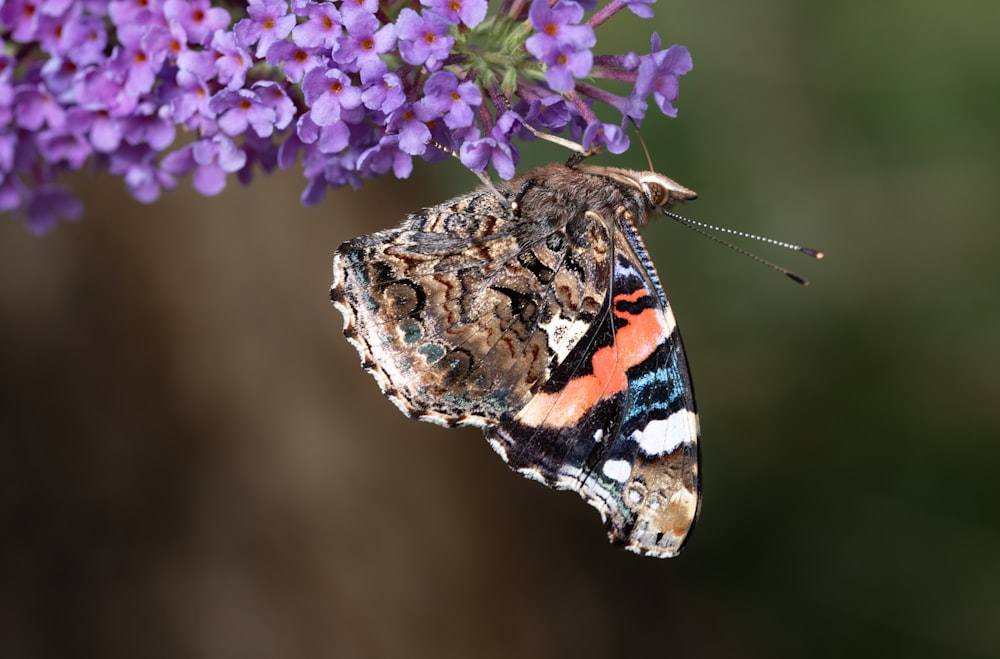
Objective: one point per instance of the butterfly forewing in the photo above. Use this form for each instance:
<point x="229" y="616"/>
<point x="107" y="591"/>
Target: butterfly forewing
<point x="460" y="328"/>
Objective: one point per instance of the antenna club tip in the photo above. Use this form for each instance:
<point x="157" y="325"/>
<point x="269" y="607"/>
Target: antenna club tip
<point x="797" y="278"/>
<point x="815" y="253"/>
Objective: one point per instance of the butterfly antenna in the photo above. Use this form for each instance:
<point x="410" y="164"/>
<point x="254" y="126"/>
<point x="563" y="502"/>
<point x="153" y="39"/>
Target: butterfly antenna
<point x="454" y="154"/>
<point x="702" y="228"/>
<point x="642" y="143"/>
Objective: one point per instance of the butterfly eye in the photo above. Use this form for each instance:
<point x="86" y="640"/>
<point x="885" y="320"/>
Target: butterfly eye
<point x="656" y="193"/>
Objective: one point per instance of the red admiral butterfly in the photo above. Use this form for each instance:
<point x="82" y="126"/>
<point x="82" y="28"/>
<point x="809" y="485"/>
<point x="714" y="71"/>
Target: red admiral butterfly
<point x="532" y="310"/>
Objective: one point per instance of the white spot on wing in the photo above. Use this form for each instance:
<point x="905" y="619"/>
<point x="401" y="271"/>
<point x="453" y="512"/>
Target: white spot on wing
<point x="618" y="470"/>
<point x="563" y="335"/>
<point x="662" y="436"/>
<point x="669" y="322"/>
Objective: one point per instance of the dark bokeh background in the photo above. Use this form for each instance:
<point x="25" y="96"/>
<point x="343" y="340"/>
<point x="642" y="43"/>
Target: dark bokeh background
<point x="193" y="464"/>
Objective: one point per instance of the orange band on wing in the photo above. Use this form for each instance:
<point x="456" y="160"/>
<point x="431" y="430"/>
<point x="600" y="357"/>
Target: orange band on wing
<point x="634" y="342"/>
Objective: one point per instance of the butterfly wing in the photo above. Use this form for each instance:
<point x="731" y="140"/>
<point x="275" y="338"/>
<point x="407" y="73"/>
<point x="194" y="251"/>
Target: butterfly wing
<point x="461" y="311"/>
<point x="616" y="419"/>
<point x="533" y="311"/>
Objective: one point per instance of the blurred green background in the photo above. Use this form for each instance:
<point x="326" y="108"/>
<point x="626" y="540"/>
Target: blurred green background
<point x="193" y="464"/>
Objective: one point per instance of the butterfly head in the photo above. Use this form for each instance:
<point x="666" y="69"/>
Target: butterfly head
<point x="660" y="192"/>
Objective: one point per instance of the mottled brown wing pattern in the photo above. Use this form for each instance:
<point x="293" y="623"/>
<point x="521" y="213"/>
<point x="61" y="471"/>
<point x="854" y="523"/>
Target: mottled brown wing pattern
<point x="461" y="311"/>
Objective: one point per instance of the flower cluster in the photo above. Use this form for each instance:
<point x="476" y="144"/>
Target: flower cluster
<point x="349" y="88"/>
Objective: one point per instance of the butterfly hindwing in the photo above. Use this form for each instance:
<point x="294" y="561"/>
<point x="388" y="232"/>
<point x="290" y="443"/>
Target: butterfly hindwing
<point x="616" y="422"/>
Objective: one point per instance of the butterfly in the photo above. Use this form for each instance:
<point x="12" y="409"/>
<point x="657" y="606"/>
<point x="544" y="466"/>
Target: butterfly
<point x="531" y="309"/>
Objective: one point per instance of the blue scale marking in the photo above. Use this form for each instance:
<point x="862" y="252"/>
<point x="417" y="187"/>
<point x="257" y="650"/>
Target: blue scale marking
<point x="650" y="393"/>
<point x="660" y="376"/>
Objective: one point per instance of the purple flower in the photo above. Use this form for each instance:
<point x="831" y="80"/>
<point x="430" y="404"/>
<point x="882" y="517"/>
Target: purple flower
<point x="322" y="28"/>
<point x="21" y="18"/>
<point x="370" y="6"/>
<point x="608" y="135"/>
<point x="137" y="63"/>
<point x="260" y="152"/>
<point x="566" y="63"/>
<point x="231" y="61"/>
<point x="386" y="156"/>
<point x="498" y="149"/>
<point x="84" y="39"/>
<point x="328" y="93"/>
<point x="477" y="155"/>
<point x="137" y="165"/>
<point x="56" y="7"/>
<point x="59" y="74"/>
<point x="199" y="63"/>
<point x="660" y="73"/>
<point x="147" y="125"/>
<point x="105" y="132"/>
<point x="333" y="171"/>
<point x="423" y="39"/>
<point x="560" y="42"/>
<point x="198" y="18"/>
<point x="125" y="12"/>
<point x="210" y="159"/>
<point x="12" y="193"/>
<point x="409" y="122"/>
<point x="555" y="25"/>
<point x="349" y="89"/>
<point x="34" y="106"/>
<point x="640" y="8"/>
<point x="240" y="109"/>
<point x="328" y="139"/>
<point x="50" y="30"/>
<point x="63" y="146"/>
<point x="273" y="96"/>
<point x="47" y="205"/>
<point x="469" y="12"/>
<point x="444" y="96"/>
<point x="550" y="112"/>
<point x="365" y="41"/>
<point x="291" y="149"/>
<point x="189" y="103"/>
<point x="294" y="60"/>
<point x="103" y="89"/>
<point x="269" y="22"/>
<point x="384" y="96"/>
<point x="8" y="155"/>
